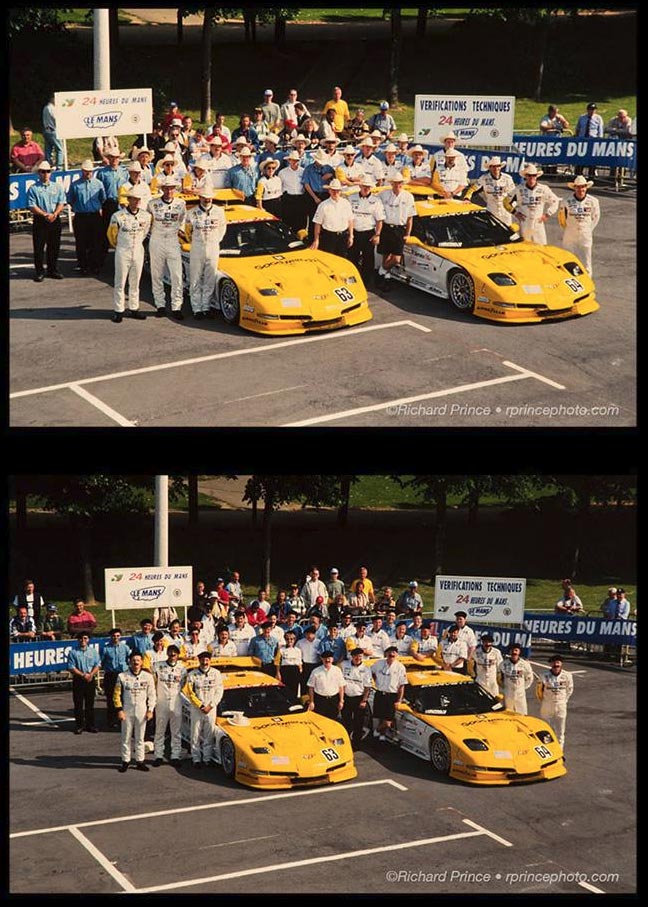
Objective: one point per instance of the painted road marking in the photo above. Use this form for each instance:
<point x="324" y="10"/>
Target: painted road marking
<point x="102" y="407"/>
<point x="591" y="888"/>
<point x="30" y="705"/>
<point x="103" y="861"/>
<point x="485" y="831"/>
<point x="188" y="809"/>
<point x="530" y="374"/>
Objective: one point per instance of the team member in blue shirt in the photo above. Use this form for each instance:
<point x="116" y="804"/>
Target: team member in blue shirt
<point x="265" y="648"/>
<point x="143" y="639"/>
<point x="244" y="176"/>
<point x="83" y="663"/>
<point x="113" y="661"/>
<point x="315" y="180"/>
<point x="112" y="177"/>
<point x="86" y="196"/>
<point x="46" y="201"/>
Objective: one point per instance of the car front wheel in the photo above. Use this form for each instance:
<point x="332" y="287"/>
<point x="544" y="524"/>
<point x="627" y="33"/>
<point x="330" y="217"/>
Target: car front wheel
<point x="228" y="757"/>
<point x="440" y="754"/>
<point x="461" y="291"/>
<point x="228" y="298"/>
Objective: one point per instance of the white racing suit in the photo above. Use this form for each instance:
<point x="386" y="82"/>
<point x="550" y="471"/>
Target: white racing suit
<point x="487" y="667"/>
<point x="516" y="680"/>
<point x="531" y="205"/>
<point x="555" y="690"/>
<point x="204" y="227"/>
<point x="494" y="192"/>
<point x="578" y="220"/>
<point x="126" y="233"/>
<point x="135" y="695"/>
<point x="164" y="249"/>
<point x="170" y="680"/>
<point x="203" y="688"/>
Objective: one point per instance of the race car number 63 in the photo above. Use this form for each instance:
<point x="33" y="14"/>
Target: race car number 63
<point x="343" y="294"/>
<point x="330" y="755"/>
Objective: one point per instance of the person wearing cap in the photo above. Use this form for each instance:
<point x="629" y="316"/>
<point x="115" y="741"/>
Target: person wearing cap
<point x="204" y="690"/>
<point x="170" y="677"/>
<point x="145" y="156"/>
<point x="157" y="653"/>
<point x="309" y="647"/>
<point x="333" y="156"/>
<point x="126" y="233"/>
<point x="589" y="125"/>
<point x="292" y="192"/>
<point x="172" y="162"/>
<point x="296" y="600"/>
<point x="270" y="150"/>
<point x="290" y="623"/>
<point x="46" y="200"/>
<point x="194" y="645"/>
<point x="241" y="632"/>
<point x="326" y="128"/>
<point x="83" y="663"/>
<point x="244" y="176"/>
<point x="410" y="602"/>
<point x="317" y="621"/>
<point x="349" y="172"/>
<point x="85" y="197"/>
<point x="205" y="227"/>
<point x="371" y="165"/>
<point x="51" y="625"/>
<point x="315" y="180"/>
<point x="399" y="217"/>
<point x="553" y="122"/>
<point x="289" y="666"/>
<point x="225" y="647"/>
<point x="340" y="107"/>
<point x="318" y="609"/>
<point x="449" y="141"/>
<point x="426" y="646"/>
<point x="453" y="179"/>
<point x="358" y="685"/>
<point x="173" y="113"/>
<point x="335" y="586"/>
<point x="104" y="147"/>
<point x="403" y="154"/>
<point x="383" y="121"/>
<point x="487" y="664"/>
<point x="623" y="605"/>
<point x="333" y="223"/>
<point x="134" y="700"/>
<point x="554" y="690"/>
<point x="466" y="633"/>
<point x="334" y="643"/>
<point x="402" y="640"/>
<point x="134" y="169"/>
<point x="220" y="163"/>
<point x="578" y="216"/>
<point x="496" y="186"/>
<point x="112" y="176"/>
<point x="358" y="127"/>
<point x="271" y="111"/>
<point x="390" y="679"/>
<point x="265" y="647"/>
<point x="359" y="639"/>
<point x="326" y="688"/>
<point x="246" y="131"/>
<point x="454" y="651"/>
<point x="268" y="191"/>
<point x="516" y="676"/>
<point x="26" y="154"/>
<point x="347" y="626"/>
<point x="169" y="214"/>
<point x="609" y="606"/>
<point x="377" y="637"/>
<point x="198" y="175"/>
<point x="533" y="203"/>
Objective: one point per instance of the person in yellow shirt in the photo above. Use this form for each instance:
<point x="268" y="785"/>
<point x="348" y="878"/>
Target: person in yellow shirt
<point x="342" y="115"/>
<point x="368" y="585"/>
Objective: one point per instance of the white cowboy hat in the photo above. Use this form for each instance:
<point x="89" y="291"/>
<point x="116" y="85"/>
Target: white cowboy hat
<point x="449" y="135"/>
<point x="580" y="181"/>
<point x="496" y="162"/>
<point x="531" y="170"/>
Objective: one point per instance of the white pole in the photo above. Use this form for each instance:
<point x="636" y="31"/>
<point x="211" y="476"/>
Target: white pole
<point x="101" y="50"/>
<point x="161" y="554"/>
<point x="65" y="167"/>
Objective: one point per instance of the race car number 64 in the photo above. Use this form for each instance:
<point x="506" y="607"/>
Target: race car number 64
<point x="330" y="755"/>
<point x="543" y="752"/>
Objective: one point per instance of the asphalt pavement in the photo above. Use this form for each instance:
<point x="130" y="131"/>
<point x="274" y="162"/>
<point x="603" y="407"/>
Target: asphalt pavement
<point x="418" y="363"/>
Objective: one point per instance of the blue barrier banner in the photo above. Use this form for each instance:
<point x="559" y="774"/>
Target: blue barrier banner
<point x="606" y="152"/>
<point x="48" y="657"/>
<point x="19" y="184"/>
<point x="477" y="160"/>
<point x="572" y="628"/>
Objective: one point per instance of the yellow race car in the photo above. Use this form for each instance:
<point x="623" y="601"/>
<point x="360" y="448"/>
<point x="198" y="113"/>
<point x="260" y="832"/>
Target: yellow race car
<point x="269" y="282"/>
<point x="266" y="740"/>
<point x="461" y="252"/>
<point x="466" y="733"/>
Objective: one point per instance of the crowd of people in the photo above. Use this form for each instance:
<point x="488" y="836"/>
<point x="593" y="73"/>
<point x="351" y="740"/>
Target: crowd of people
<point x="320" y="179"/>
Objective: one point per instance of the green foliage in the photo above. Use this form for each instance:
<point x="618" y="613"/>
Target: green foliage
<point x="92" y="496"/>
<point x="26" y="19"/>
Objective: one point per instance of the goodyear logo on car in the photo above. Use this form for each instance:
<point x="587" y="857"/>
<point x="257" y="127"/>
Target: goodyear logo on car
<point x="147" y="594"/>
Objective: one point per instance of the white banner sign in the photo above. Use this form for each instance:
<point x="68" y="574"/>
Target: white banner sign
<point x="475" y="119"/>
<point x="89" y="113"/>
<point x="148" y="587"/>
<point x="485" y="599"/>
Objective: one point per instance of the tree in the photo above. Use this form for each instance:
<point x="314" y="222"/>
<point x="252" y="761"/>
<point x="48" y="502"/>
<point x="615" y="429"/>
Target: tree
<point x="435" y="490"/>
<point x="345" y="494"/>
<point x="180" y="14"/>
<point x="206" y="68"/>
<point x="31" y="19"/>
<point x="394" y="56"/>
<point x="421" y="22"/>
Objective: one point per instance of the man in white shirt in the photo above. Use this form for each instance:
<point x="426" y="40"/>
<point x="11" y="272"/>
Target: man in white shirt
<point x="326" y="688"/>
<point x="488" y="664"/>
<point x="517" y="676"/>
<point x="554" y="691"/>
<point x="377" y="637"/>
<point x="390" y="678"/>
<point x="309" y="647"/>
<point x="357" y="687"/>
<point x="454" y="652"/>
<point x="312" y="588"/>
<point x="360" y="641"/>
<point x="399" y="216"/>
<point x="241" y="633"/>
<point x="333" y="222"/>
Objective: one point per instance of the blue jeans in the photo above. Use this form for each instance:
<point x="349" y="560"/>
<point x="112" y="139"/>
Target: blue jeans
<point x="53" y="144"/>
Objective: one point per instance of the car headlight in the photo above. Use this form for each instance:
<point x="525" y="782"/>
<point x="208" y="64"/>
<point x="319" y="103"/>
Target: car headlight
<point x="349" y="279"/>
<point x="268" y="291"/>
<point x="260" y="750"/>
<point x="544" y="737"/>
<point x="502" y="280"/>
<point x="573" y="267"/>
<point x="474" y="744"/>
<point x="338" y="741"/>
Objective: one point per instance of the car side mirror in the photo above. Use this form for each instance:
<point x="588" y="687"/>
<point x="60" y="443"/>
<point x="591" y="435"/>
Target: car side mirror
<point x="515" y="228"/>
<point x="303" y="235"/>
<point x="413" y="241"/>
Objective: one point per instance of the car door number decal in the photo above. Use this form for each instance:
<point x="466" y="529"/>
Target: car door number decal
<point x="330" y="755"/>
<point x="543" y="752"/>
<point x="343" y="294"/>
<point x="575" y="285"/>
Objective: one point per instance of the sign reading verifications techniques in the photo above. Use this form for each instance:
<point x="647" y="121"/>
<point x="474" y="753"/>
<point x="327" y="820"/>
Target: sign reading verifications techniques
<point x="122" y="111"/>
<point x="485" y="599"/>
<point x="148" y="587"/>
<point x="481" y="120"/>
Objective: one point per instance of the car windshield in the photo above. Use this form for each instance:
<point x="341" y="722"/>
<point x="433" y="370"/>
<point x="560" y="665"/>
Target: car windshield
<point x="260" y="237"/>
<point x="256" y="702"/>
<point x="451" y="699"/>
<point x="471" y="230"/>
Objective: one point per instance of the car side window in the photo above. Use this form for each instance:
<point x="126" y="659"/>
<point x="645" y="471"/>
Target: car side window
<point x="418" y="229"/>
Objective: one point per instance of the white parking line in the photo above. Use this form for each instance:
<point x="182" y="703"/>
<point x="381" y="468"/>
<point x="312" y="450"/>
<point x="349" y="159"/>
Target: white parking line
<point x="591" y="888"/>
<point x="103" y="861"/>
<point x="215" y="356"/>
<point x="530" y="374"/>
<point x="485" y="831"/>
<point x="30" y="705"/>
<point x="101" y="406"/>
<point x="189" y="809"/>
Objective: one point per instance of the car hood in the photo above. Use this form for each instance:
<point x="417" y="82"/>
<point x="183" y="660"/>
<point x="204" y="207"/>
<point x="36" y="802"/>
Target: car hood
<point x="537" y="269"/>
<point x="299" y="733"/>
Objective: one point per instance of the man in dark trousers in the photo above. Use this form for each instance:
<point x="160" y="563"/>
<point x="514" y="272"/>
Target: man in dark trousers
<point x="83" y="664"/>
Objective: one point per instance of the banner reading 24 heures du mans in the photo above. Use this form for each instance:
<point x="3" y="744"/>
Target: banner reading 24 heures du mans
<point x="148" y="587"/>
<point x="122" y="111"/>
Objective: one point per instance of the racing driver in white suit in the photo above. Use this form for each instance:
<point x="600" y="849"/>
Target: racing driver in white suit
<point x="554" y="690"/>
<point x="204" y="689"/>
<point x="204" y="227"/>
<point x="578" y="216"/>
<point x="127" y="230"/>
<point x="168" y="215"/>
<point x="134" y="698"/>
<point x="535" y="203"/>
<point x="517" y="676"/>
<point x="170" y="677"/>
